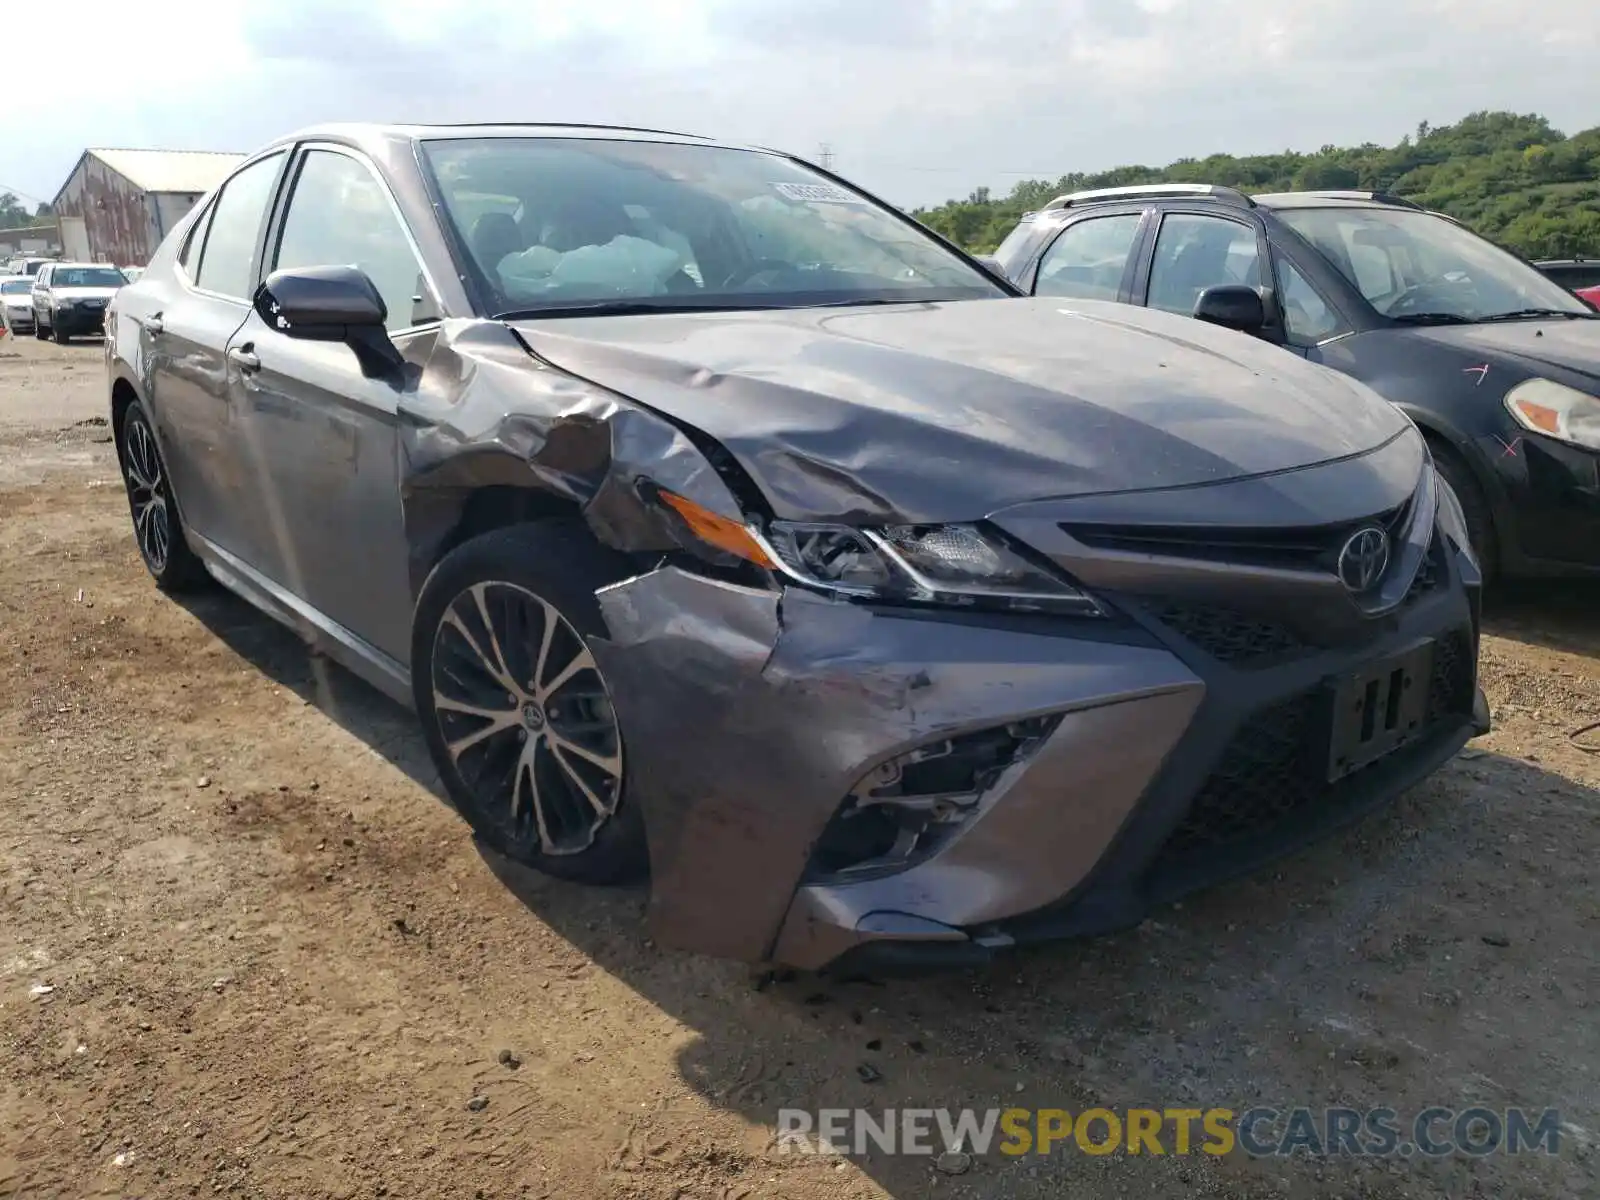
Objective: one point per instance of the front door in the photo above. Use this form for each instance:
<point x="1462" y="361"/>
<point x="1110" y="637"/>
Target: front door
<point x="322" y="437"/>
<point x="1198" y="250"/>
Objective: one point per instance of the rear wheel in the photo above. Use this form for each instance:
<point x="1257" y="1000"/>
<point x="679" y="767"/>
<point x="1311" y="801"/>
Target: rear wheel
<point x="1474" y="506"/>
<point x="516" y="710"/>
<point x="156" y="526"/>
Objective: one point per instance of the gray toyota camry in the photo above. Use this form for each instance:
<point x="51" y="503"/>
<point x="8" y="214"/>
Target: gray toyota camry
<point x="724" y="524"/>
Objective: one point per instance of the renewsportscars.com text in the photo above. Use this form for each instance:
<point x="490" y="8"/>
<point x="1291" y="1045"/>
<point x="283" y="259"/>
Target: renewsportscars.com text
<point x="1260" y="1132"/>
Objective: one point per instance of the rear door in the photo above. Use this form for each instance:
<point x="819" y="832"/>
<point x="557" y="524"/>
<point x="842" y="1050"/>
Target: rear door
<point x="323" y="437"/>
<point x="186" y="343"/>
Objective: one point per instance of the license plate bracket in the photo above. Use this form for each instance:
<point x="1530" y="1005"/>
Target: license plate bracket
<point x="1378" y="709"/>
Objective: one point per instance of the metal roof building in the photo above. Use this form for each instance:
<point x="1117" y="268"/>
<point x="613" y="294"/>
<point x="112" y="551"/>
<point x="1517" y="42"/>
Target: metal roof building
<point x="117" y="205"/>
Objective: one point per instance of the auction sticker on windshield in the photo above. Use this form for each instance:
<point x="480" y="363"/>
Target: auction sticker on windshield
<point x="821" y="193"/>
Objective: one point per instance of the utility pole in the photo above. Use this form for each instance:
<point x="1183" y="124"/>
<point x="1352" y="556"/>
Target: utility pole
<point x="825" y="156"/>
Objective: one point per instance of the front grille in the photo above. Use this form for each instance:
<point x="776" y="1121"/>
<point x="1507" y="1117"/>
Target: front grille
<point x="1242" y="640"/>
<point x="1274" y="766"/>
<point x="1265" y="774"/>
<point x="1226" y="635"/>
<point x="1293" y="548"/>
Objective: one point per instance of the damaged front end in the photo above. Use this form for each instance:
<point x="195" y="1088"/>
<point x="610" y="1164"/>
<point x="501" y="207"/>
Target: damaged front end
<point x="817" y="765"/>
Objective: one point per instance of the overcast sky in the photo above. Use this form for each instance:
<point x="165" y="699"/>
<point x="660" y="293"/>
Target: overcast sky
<point x="921" y="100"/>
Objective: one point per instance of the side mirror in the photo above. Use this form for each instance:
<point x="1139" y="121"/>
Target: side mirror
<point x="1232" y="306"/>
<point x="320" y="303"/>
<point x="331" y="304"/>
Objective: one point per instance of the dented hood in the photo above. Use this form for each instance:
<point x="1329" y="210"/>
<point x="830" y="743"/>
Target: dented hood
<point x="927" y="413"/>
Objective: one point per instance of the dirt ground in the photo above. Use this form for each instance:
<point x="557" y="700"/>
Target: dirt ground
<point x="278" y="965"/>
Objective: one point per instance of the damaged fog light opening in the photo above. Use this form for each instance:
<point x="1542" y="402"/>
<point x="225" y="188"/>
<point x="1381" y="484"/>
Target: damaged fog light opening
<point x="957" y="565"/>
<point x="905" y="809"/>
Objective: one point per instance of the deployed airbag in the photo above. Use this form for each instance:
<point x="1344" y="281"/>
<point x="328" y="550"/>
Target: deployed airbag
<point x="626" y="265"/>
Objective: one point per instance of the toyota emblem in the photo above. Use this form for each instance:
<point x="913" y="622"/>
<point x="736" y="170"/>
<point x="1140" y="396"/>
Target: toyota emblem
<point x="1364" y="559"/>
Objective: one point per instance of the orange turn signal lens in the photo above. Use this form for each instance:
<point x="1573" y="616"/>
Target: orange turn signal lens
<point x="731" y="536"/>
<point x="1540" y="416"/>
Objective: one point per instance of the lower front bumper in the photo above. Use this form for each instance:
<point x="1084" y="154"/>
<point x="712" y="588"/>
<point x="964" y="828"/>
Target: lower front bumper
<point x="79" y="324"/>
<point x="749" y="718"/>
<point x="1119" y="898"/>
<point x="1551" y="514"/>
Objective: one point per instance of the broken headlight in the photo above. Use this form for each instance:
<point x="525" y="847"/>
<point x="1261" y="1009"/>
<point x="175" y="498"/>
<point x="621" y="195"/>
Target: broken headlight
<point x="934" y="564"/>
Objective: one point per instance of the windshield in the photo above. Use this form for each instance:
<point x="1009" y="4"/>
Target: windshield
<point x="561" y="223"/>
<point x="16" y="287"/>
<point x="95" y="277"/>
<point x="1416" y="264"/>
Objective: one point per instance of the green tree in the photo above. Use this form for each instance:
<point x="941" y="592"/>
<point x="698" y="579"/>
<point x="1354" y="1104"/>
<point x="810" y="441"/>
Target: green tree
<point x="1511" y="176"/>
<point x="12" y="211"/>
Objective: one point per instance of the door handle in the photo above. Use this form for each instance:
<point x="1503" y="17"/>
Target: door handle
<point x="153" y="323"/>
<point x="244" y="358"/>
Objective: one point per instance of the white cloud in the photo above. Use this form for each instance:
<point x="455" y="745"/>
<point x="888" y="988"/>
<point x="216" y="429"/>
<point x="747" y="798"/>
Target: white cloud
<point x="921" y="99"/>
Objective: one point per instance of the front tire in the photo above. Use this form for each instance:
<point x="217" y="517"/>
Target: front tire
<point x="515" y="709"/>
<point x="157" y="528"/>
<point x="61" y="336"/>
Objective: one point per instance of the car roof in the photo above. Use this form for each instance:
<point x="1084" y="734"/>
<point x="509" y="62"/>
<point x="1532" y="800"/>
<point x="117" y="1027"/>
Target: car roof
<point x="373" y="136"/>
<point x="53" y="263"/>
<point x="1063" y="207"/>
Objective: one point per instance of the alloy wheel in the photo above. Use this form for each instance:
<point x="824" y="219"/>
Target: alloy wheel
<point x="147" y="495"/>
<point x="526" y="717"/>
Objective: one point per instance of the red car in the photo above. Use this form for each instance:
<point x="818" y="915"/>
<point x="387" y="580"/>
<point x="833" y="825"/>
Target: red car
<point x="1579" y="275"/>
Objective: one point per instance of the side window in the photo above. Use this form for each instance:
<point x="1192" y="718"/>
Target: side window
<point x="1195" y="252"/>
<point x="339" y="215"/>
<point x="1089" y="259"/>
<point x="42" y="279"/>
<point x="190" y="256"/>
<point x="1307" y="317"/>
<point x="228" y="259"/>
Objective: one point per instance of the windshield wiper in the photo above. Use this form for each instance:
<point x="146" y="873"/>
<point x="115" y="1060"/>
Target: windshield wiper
<point x="1432" y="318"/>
<point x="1528" y="314"/>
<point x="866" y="302"/>
<point x="621" y="308"/>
